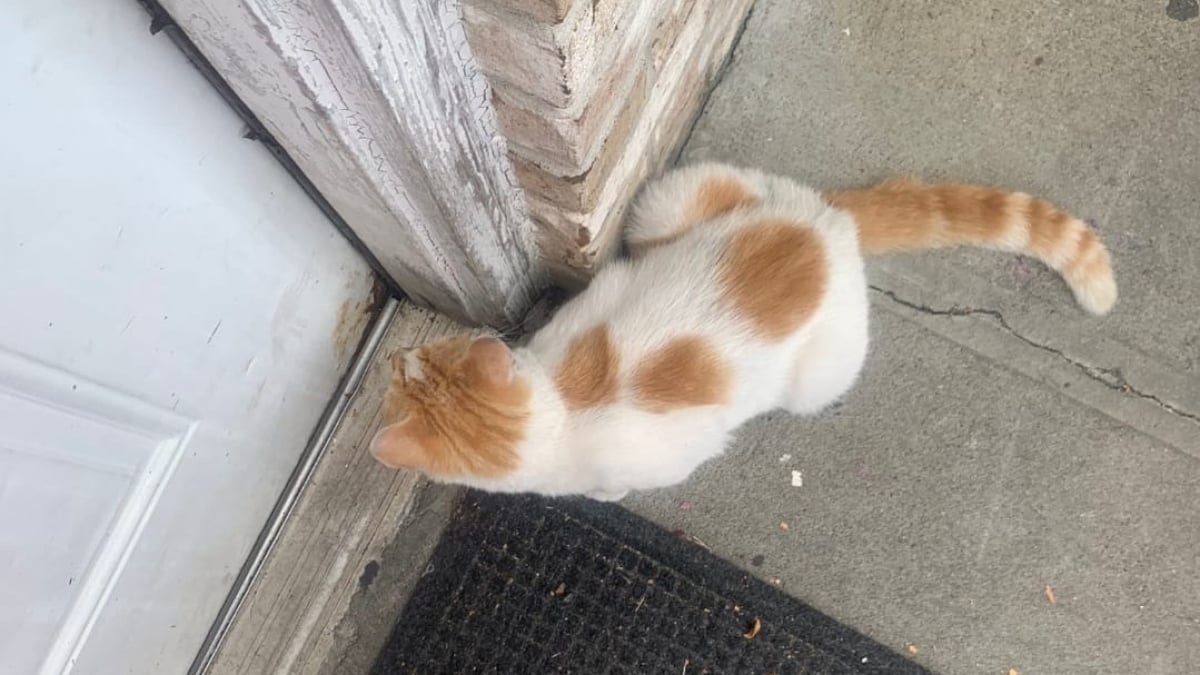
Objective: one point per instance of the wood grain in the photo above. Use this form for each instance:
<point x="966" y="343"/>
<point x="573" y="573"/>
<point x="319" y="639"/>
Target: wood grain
<point x="383" y="108"/>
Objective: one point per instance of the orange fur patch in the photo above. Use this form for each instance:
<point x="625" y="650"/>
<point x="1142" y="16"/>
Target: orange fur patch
<point x="905" y="214"/>
<point x="1090" y="258"/>
<point x="587" y="376"/>
<point x="1090" y="263"/>
<point x="687" y="372"/>
<point x="455" y="420"/>
<point x="716" y="197"/>
<point x="774" y="273"/>
<point x="1048" y="230"/>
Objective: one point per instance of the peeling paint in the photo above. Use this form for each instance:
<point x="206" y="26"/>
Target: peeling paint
<point x="402" y="142"/>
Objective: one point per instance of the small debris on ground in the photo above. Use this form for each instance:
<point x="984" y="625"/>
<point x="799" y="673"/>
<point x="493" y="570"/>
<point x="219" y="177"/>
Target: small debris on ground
<point x="775" y="581"/>
<point x="912" y="649"/>
<point x="684" y="505"/>
<point x="692" y="539"/>
<point x="783" y="526"/>
<point x="1013" y="671"/>
<point x="559" y="591"/>
<point x="797" y="479"/>
<point x="1050" y="594"/>
<point x="783" y="458"/>
<point x="753" y="631"/>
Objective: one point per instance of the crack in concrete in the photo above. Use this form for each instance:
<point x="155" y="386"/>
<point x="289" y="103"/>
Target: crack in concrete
<point x="1109" y="377"/>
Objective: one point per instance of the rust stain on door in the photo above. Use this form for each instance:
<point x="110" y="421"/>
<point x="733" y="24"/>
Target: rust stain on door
<point x="352" y="320"/>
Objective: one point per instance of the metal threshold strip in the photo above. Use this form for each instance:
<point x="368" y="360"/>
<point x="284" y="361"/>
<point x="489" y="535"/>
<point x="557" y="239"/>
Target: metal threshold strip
<point x="295" y="485"/>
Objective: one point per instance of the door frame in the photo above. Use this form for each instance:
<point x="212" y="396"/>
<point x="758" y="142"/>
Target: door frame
<point x="381" y="111"/>
<point x="407" y="163"/>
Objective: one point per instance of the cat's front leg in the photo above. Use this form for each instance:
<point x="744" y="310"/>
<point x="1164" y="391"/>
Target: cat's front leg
<point x="605" y="496"/>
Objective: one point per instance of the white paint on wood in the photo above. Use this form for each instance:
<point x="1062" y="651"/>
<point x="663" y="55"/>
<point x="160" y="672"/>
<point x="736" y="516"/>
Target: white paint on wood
<point x="174" y="324"/>
<point x="384" y="109"/>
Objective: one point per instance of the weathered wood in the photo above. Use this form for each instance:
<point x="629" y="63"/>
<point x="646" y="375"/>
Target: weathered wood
<point x="383" y="108"/>
<point x="348" y="514"/>
<point x="594" y="102"/>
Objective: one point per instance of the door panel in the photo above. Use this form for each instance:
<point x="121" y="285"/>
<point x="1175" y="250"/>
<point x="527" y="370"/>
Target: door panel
<point x="174" y="311"/>
<point x="82" y="467"/>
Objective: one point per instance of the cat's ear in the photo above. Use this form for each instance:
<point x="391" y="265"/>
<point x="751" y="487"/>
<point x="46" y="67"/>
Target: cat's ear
<point x="490" y="361"/>
<point x="399" y="446"/>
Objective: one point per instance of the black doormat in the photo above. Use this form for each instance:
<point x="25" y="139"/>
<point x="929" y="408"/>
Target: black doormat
<point x="529" y="585"/>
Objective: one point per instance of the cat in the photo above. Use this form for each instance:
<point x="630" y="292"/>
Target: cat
<point x="743" y="292"/>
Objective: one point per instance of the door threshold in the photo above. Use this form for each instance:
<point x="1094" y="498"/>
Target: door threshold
<point x="327" y="540"/>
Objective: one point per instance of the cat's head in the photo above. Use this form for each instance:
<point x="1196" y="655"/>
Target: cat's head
<point x="456" y="408"/>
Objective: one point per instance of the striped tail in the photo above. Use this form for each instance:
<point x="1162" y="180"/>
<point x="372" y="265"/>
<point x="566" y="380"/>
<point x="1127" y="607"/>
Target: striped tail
<point x="904" y="214"/>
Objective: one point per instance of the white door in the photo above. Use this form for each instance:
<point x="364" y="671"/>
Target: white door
<point x="170" y="306"/>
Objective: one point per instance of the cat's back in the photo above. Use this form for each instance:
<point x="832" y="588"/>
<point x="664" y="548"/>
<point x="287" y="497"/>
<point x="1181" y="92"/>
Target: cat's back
<point x="706" y="320"/>
<point x="753" y="277"/>
<point x="642" y="305"/>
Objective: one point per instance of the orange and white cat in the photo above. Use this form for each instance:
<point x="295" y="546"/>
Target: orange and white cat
<point x="744" y="292"/>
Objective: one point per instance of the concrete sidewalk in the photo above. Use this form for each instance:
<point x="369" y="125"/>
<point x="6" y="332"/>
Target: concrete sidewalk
<point x="1001" y="441"/>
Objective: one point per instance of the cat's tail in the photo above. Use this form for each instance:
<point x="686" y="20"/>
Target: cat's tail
<point x="905" y="214"/>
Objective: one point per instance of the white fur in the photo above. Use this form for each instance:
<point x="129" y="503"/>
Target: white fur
<point x="413" y="369"/>
<point x="671" y="291"/>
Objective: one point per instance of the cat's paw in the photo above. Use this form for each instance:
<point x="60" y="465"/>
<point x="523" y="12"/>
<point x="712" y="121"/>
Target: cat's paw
<point x="602" y="496"/>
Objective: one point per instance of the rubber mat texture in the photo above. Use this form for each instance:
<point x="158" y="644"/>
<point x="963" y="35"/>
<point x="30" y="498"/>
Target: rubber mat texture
<point x="522" y="584"/>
